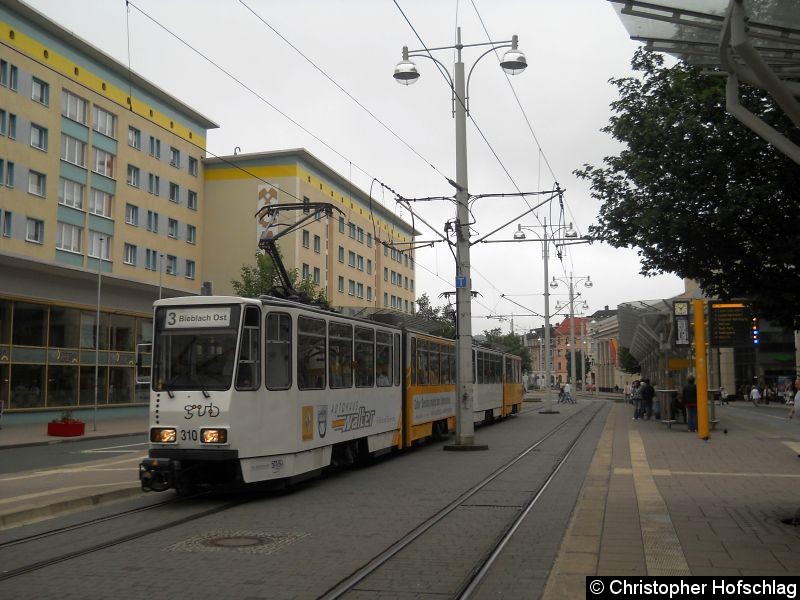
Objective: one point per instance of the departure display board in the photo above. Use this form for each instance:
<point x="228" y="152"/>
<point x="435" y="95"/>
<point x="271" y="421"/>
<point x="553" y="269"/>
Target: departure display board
<point x="729" y="325"/>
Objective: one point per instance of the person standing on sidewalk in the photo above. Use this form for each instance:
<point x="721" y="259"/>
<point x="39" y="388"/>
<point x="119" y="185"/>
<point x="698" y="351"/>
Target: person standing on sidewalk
<point x="647" y="393"/>
<point x="636" y="398"/>
<point x="755" y="396"/>
<point x="689" y="396"/>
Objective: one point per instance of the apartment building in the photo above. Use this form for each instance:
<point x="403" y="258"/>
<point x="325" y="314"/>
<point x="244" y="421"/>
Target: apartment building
<point x="101" y="209"/>
<point x="360" y="255"/>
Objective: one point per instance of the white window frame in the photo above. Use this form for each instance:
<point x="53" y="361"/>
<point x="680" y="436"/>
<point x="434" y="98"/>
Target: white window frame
<point x="193" y="166"/>
<point x="73" y="107"/>
<point x="70" y="193"/>
<point x="134" y="176"/>
<point x="172" y="228"/>
<point x="190" y="269"/>
<point x="68" y="237"/>
<point x="34" y="231"/>
<point x="153" y="184"/>
<point x="174" y="192"/>
<point x="40" y="91"/>
<point x="129" y="256"/>
<point x="104" y="122"/>
<point x="134" y="138"/>
<point x="103" y="162"/>
<point x="37" y="183"/>
<point x="191" y="200"/>
<point x="172" y="265"/>
<point x="152" y="221"/>
<point x="73" y="150"/>
<point x="174" y="157"/>
<point x="132" y="214"/>
<point x="101" y="203"/>
<point x="38" y="137"/>
<point x="191" y="234"/>
<point x="95" y="246"/>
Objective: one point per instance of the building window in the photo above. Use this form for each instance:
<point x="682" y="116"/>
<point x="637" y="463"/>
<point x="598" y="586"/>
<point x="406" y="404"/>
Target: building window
<point x="100" y="203"/>
<point x="359" y="290"/>
<point x="155" y="147"/>
<point x="133" y="176"/>
<point x="341" y="284"/>
<point x="191" y="201"/>
<point x="360" y="235"/>
<point x="351" y="230"/>
<point x="40" y="91"/>
<point x="130" y="255"/>
<point x="37" y="183"/>
<point x="38" y="137"/>
<point x="172" y="265"/>
<point x="6" y="224"/>
<point x="8" y="75"/>
<point x="174" y="157"/>
<point x="369" y="240"/>
<point x="369" y="294"/>
<point x="134" y="138"/>
<point x="70" y="193"/>
<point x="68" y="237"/>
<point x="105" y="122"/>
<point x="360" y="262"/>
<point x="317" y="275"/>
<point x="306" y="271"/>
<point x="172" y="228"/>
<point x="317" y="244"/>
<point x="351" y="258"/>
<point x="152" y="221"/>
<point x="341" y="254"/>
<point x="385" y="274"/>
<point x="191" y="234"/>
<point x="306" y="202"/>
<point x="174" y="192"/>
<point x="369" y="267"/>
<point x="193" y="169"/>
<point x="151" y="260"/>
<point x="306" y="237"/>
<point x="8" y="178"/>
<point x="385" y="299"/>
<point x="73" y="150"/>
<point x="103" y="162"/>
<point x="341" y="224"/>
<point x="12" y="126"/>
<point x="351" y="287"/>
<point x="153" y="184"/>
<point x="99" y="245"/>
<point x="34" y="231"/>
<point x="73" y="107"/>
<point x="132" y="215"/>
<point x="190" y="268"/>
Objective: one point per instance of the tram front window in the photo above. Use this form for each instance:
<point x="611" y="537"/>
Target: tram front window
<point x="194" y="358"/>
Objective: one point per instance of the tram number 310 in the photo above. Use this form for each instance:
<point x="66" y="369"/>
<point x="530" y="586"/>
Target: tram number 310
<point x="189" y="435"/>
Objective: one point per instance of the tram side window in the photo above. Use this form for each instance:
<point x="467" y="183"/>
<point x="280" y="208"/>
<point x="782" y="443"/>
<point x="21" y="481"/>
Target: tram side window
<point x="365" y="357"/>
<point x="482" y="369"/>
<point x="433" y="359"/>
<point x="340" y="355"/>
<point x="497" y="368"/>
<point x="413" y="360"/>
<point x="310" y="353"/>
<point x="422" y="362"/>
<point x="397" y="359"/>
<point x="279" y="351"/>
<point x="248" y="375"/>
<point x="383" y="359"/>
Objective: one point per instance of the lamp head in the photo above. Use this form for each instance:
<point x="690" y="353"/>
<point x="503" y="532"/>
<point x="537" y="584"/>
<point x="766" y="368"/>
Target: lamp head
<point x="570" y="232"/>
<point x="519" y="234"/>
<point x="406" y="72"/>
<point x="514" y="61"/>
<point x="588" y="283"/>
<point x="554" y="283"/>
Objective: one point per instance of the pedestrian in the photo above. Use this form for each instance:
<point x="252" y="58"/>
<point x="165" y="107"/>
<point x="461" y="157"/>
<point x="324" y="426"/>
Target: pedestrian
<point x="568" y="393"/>
<point x="723" y="396"/>
<point x="689" y="399"/>
<point x="637" y="400"/>
<point x="755" y="396"/>
<point x="647" y="393"/>
<point x="627" y="391"/>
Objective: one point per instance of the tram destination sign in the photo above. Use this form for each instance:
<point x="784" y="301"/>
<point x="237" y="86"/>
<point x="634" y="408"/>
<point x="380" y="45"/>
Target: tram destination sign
<point x="200" y="316"/>
<point x="729" y="325"/>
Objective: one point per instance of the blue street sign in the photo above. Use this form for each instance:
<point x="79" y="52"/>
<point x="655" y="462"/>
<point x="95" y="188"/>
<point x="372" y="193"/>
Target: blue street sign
<point x="461" y="282"/>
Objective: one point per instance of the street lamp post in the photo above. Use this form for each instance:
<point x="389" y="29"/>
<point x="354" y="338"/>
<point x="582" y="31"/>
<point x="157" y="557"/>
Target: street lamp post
<point x="572" y="281"/>
<point x="97" y="330"/>
<point x="519" y="235"/>
<point x="406" y="73"/>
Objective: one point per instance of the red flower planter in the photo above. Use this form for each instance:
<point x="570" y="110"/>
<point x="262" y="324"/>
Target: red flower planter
<point x="66" y="429"/>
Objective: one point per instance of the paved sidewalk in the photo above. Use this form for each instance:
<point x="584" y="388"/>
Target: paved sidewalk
<point x="661" y="501"/>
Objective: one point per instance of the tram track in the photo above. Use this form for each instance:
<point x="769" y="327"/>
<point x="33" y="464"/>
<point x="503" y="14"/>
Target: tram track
<point x="474" y="576"/>
<point x="12" y="572"/>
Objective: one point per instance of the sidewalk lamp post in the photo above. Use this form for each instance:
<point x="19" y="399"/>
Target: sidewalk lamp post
<point x="406" y="73"/>
<point x="572" y="281"/>
<point x="519" y="235"/>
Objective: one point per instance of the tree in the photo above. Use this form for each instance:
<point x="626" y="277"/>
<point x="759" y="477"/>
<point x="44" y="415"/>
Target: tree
<point x="261" y="278"/>
<point x="626" y="362"/>
<point x="511" y="343"/>
<point x="443" y="316"/>
<point x="697" y="192"/>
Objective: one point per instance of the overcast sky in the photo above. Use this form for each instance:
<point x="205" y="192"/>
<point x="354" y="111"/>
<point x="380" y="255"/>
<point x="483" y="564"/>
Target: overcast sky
<point x="573" y="47"/>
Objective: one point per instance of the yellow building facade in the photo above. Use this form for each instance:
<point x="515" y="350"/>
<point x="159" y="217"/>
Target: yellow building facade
<point x="360" y="255"/>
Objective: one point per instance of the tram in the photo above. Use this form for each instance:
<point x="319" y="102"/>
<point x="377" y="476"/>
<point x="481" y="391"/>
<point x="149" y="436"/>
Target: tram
<point x="250" y="390"/>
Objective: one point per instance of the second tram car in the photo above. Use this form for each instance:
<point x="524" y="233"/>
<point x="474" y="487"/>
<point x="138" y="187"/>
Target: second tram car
<point x="249" y="390"/>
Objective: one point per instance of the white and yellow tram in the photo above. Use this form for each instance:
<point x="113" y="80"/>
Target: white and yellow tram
<point x="249" y="390"/>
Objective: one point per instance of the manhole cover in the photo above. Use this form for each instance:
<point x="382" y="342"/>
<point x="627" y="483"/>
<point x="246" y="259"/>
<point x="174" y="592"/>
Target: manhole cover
<point x="248" y="542"/>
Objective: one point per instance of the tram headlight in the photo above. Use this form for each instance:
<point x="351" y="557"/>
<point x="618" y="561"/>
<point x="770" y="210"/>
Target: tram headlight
<point x="163" y="435"/>
<point x="214" y="436"/>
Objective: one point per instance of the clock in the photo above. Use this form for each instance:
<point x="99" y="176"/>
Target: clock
<point x="681" y="308"/>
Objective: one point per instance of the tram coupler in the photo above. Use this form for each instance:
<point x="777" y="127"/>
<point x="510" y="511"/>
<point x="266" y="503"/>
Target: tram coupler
<point x="158" y="474"/>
